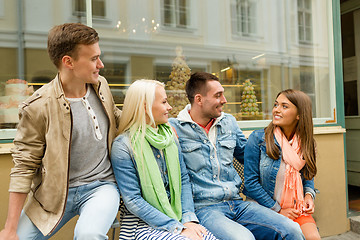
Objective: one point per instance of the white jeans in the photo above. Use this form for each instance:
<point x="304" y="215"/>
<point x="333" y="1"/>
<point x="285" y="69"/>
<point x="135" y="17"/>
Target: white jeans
<point x="96" y="203"/>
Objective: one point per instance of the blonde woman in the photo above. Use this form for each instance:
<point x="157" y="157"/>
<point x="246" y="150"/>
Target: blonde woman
<point x="150" y="170"/>
<point x="280" y="162"/>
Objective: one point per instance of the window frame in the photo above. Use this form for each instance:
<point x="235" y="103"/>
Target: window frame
<point x="250" y="21"/>
<point x="174" y="8"/>
<point x="81" y="14"/>
<point x="302" y="26"/>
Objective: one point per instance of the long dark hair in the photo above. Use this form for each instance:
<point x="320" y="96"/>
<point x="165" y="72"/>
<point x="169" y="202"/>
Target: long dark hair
<point x="304" y="129"/>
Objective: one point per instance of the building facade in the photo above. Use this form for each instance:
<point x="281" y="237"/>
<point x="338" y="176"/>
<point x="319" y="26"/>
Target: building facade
<point x="256" y="47"/>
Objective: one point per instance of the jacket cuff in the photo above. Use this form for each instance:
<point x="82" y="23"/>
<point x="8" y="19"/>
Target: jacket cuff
<point x="189" y="217"/>
<point x="177" y="228"/>
<point x="276" y="207"/>
<point x="19" y="184"/>
<point x="309" y="190"/>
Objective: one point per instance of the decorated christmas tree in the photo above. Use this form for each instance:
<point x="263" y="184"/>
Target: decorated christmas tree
<point x="176" y="85"/>
<point x="249" y="106"/>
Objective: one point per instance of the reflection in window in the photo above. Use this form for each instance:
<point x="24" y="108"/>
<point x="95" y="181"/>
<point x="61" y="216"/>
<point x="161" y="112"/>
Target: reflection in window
<point x="98" y="8"/>
<point x="307" y="84"/>
<point x="243" y="93"/>
<point x="175" y="13"/>
<point x="175" y="76"/>
<point x="115" y="74"/>
<point x="305" y="21"/>
<point x="250" y="71"/>
<point x="244" y="17"/>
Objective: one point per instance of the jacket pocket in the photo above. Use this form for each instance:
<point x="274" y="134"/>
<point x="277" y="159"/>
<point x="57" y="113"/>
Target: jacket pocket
<point x="227" y="151"/>
<point x="193" y="156"/>
<point x="47" y="194"/>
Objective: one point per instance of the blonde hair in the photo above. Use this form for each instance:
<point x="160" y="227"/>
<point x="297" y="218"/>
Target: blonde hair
<point x="304" y="129"/>
<point x="137" y="107"/>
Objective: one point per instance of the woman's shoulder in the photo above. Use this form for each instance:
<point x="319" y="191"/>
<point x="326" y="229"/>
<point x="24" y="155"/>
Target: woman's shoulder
<point x="259" y="133"/>
<point x="122" y="139"/>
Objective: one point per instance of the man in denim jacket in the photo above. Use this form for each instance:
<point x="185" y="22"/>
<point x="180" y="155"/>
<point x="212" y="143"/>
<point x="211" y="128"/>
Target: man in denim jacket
<point x="209" y="140"/>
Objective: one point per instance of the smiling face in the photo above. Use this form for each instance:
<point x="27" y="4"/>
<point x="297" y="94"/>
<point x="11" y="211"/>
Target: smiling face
<point x="87" y="64"/>
<point x="160" y="108"/>
<point x="214" y="100"/>
<point x="285" y="114"/>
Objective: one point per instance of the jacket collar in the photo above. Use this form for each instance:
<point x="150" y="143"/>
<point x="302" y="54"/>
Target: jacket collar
<point x="263" y="138"/>
<point x="59" y="91"/>
<point x="184" y="116"/>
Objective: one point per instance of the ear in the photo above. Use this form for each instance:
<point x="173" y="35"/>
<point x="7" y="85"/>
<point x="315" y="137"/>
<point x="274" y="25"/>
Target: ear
<point x="67" y="61"/>
<point x="198" y="99"/>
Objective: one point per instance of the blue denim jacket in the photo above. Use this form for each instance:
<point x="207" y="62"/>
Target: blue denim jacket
<point x="212" y="174"/>
<point x="260" y="172"/>
<point x="124" y="165"/>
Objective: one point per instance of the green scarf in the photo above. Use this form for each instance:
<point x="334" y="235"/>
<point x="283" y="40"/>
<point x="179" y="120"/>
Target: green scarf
<point x="152" y="186"/>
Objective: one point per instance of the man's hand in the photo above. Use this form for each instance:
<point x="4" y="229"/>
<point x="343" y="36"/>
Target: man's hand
<point x="193" y="231"/>
<point x="8" y="235"/>
<point x="16" y="203"/>
<point x="291" y="213"/>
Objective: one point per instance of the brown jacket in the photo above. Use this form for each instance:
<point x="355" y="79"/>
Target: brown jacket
<point x="42" y="150"/>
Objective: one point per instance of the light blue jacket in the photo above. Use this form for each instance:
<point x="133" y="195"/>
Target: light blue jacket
<point x="127" y="178"/>
<point x="210" y="164"/>
<point x="260" y="172"/>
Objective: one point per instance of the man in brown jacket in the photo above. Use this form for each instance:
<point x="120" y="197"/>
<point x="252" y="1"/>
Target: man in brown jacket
<point x="62" y="146"/>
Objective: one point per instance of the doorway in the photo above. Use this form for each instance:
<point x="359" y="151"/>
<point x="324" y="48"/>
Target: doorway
<point x="350" y="31"/>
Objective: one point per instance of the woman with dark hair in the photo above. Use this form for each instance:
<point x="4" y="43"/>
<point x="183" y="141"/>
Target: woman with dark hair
<point x="280" y="161"/>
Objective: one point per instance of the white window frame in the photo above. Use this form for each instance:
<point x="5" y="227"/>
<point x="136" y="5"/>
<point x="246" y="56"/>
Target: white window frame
<point x="175" y="9"/>
<point x="76" y="13"/>
<point x="304" y="25"/>
<point x="245" y="26"/>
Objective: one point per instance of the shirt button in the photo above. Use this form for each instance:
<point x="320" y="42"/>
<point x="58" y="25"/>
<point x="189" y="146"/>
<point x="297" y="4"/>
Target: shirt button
<point x="214" y="176"/>
<point x="158" y="156"/>
<point x="84" y="98"/>
<point x="193" y="126"/>
<point x="211" y="157"/>
<point x="205" y="141"/>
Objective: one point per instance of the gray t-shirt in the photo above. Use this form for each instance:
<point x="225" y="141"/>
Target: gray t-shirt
<point x="89" y="155"/>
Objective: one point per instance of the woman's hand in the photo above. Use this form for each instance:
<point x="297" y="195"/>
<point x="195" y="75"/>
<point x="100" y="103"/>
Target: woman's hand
<point x="193" y="231"/>
<point x="309" y="204"/>
<point x="291" y="213"/>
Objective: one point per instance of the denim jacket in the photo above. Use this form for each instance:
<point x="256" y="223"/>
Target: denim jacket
<point x="209" y="157"/>
<point x="127" y="178"/>
<point x="260" y="172"/>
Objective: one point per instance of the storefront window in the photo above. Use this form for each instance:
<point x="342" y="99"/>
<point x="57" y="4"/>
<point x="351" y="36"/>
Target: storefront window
<point x="256" y="47"/>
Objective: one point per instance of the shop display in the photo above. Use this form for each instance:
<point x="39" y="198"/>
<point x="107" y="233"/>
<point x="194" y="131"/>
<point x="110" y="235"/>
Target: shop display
<point x="249" y="107"/>
<point x="175" y="87"/>
<point x="15" y="92"/>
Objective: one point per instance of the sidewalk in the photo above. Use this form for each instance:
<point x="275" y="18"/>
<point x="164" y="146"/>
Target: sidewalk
<point x="345" y="236"/>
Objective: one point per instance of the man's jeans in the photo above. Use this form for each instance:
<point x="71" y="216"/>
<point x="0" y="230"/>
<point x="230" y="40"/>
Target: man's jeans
<point x="97" y="203"/>
<point x="240" y="220"/>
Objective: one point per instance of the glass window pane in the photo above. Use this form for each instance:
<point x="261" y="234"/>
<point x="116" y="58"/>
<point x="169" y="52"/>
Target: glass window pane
<point x="251" y="67"/>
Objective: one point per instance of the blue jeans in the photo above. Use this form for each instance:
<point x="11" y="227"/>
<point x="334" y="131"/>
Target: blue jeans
<point x="235" y="220"/>
<point x="96" y="203"/>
